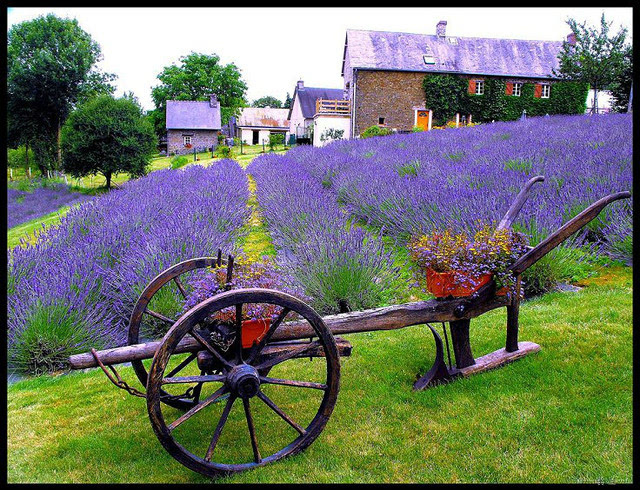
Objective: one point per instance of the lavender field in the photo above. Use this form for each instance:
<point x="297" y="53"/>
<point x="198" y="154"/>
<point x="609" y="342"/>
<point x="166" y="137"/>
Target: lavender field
<point x="339" y="218"/>
<point x="76" y="286"/>
<point x="404" y="185"/>
<point x="23" y="205"/>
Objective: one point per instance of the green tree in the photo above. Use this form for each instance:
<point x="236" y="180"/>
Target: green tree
<point x="287" y="102"/>
<point x="620" y="88"/>
<point x="107" y="135"/>
<point x="195" y="78"/>
<point x="596" y="57"/>
<point x="267" y="101"/>
<point x="50" y="67"/>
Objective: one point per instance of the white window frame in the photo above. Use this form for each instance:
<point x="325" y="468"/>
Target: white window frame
<point x="517" y="89"/>
<point x="479" y="87"/>
<point x="186" y="139"/>
<point x="546" y="91"/>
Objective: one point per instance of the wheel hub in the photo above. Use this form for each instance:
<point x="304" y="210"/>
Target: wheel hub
<point x="243" y="380"/>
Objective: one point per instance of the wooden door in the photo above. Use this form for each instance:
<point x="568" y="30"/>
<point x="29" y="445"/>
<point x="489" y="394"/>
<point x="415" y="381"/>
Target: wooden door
<point x="423" y="120"/>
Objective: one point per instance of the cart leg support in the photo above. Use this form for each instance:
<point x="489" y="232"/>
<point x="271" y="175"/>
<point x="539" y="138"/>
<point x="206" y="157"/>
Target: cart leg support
<point x="438" y="373"/>
<point x="461" y="343"/>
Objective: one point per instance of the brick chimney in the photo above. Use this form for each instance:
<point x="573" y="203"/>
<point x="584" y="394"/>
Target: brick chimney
<point x="441" y="29"/>
<point x="571" y="38"/>
<point x="300" y="84"/>
<point x="213" y="100"/>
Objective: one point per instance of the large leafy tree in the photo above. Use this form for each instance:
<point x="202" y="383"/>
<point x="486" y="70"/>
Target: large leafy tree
<point x="195" y="78"/>
<point x="596" y="57"/>
<point x="267" y="101"/>
<point x="107" y="135"/>
<point x="50" y="67"/>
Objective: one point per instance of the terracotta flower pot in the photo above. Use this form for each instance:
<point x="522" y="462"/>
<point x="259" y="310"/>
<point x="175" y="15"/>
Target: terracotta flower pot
<point x="254" y="331"/>
<point x="444" y="284"/>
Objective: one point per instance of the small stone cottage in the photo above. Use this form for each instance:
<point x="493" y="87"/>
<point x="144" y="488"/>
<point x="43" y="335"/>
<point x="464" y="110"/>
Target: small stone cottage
<point x="192" y="124"/>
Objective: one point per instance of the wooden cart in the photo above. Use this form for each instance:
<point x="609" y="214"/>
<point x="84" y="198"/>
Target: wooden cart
<point x="233" y="373"/>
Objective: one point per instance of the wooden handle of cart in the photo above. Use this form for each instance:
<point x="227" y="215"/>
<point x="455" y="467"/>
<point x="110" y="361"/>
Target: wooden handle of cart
<point x="521" y="198"/>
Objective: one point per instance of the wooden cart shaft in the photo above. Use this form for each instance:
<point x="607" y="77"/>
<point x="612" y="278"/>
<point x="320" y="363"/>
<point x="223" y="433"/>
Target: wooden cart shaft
<point x="386" y="318"/>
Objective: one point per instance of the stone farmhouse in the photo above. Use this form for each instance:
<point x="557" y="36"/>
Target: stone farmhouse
<point x="255" y="124"/>
<point x="313" y="110"/>
<point x="192" y="124"/>
<point x="383" y="72"/>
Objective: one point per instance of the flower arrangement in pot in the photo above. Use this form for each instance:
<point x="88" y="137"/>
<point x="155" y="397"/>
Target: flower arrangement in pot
<point x="256" y="317"/>
<point x="458" y="265"/>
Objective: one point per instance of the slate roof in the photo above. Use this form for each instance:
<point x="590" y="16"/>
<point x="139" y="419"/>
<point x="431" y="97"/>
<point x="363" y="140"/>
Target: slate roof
<point x="469" y="55"/>
<point x="266" y="117"/>
<point x="308" y="96"/>
<point x="192" y="114"/>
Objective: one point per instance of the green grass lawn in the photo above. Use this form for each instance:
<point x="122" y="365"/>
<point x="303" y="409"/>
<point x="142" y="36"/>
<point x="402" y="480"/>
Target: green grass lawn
<point x="561" y="415"/>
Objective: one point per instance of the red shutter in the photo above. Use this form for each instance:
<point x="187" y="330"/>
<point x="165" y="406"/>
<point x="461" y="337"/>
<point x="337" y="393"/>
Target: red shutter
<point x="538" y="90"/>
<point x="509" y="88"/>
<point x="472" y="86"/>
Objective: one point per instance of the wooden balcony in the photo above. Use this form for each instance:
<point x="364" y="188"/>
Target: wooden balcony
<point x="325" y="106"/>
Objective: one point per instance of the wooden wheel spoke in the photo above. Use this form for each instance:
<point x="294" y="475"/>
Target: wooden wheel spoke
<point x="181" y="366"/>
<point x="194" y="379"/>
<point x="252" y="431"/>
<point x="188" y="414"/>
<point x="183" y="291"/>
<point x="257" y="348"/>
<point x="292" y="382"/>
<point x="218" y="431"/>
<point x="282" y="415"/>
<point x="159" y="316"/>
<point x="289" y="354"/>
<point x="238" y="341"/>
<point x="209" y="347"/>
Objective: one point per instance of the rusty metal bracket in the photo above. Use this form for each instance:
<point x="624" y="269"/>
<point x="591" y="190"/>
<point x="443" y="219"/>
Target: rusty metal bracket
<point x="115" y="377"/>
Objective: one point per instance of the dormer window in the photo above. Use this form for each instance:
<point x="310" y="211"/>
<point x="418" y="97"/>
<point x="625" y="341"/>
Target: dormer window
<point x="429" y="59"/>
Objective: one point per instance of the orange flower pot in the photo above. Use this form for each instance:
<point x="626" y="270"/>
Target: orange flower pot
<point x="444" y="284"/>
<point x="254" y="331"/>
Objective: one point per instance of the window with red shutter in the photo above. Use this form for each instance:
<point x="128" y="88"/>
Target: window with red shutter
<point x="538" y="90"/>
<point x="472" y="86"/>
<point x="509" y="88"/>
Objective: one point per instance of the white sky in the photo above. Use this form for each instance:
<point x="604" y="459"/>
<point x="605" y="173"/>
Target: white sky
<point x="275" y="47"/>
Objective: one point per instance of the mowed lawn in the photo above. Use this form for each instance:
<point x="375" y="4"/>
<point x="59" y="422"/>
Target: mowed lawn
<point x="561" y="415"/>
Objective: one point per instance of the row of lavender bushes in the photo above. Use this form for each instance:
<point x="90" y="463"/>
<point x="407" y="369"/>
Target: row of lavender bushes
<point x="338" y="266"/>
<point x="38" y="198"/>
<point x="75" y="288"/>
<point x="409" y="184"/>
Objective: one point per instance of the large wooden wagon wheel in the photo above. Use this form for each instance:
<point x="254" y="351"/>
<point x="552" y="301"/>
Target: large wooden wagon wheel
<point x="170" y="278"/>
<point x="258" y="430"/>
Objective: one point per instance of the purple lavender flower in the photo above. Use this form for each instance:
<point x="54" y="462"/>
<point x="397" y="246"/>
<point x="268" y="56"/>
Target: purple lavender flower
<point x="102" y="254"/>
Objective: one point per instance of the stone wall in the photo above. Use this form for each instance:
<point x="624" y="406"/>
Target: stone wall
<point x="200" y="138"/>
<point x="394" y="96"/>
